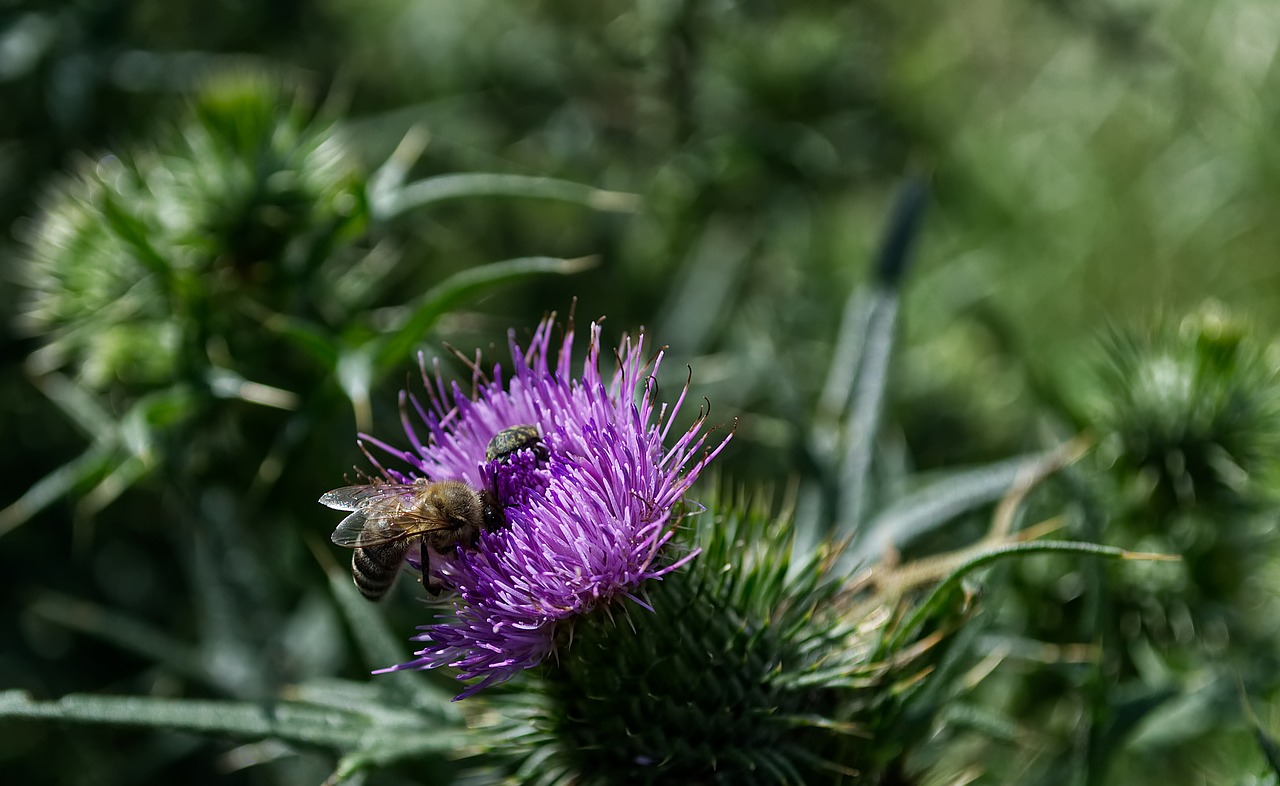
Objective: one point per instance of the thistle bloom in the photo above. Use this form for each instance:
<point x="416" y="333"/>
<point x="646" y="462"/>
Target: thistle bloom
<point x="588" y="510"/>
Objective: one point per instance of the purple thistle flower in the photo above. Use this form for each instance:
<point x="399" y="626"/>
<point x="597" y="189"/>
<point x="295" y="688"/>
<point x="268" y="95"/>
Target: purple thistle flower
<point x="588" y="509"/>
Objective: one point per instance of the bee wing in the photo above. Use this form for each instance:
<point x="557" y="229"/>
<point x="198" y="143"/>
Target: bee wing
<point x="350" y="531"/>
<point x="375" y="510"/>
<point x="360" y="497"/>
<point x="381" y="513"/>
<point x="365" y="528"/>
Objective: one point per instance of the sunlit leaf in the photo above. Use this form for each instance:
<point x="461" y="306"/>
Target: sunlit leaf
<point x="479" y="184"/>
<point x="942" y="500"/>
<point x="423" y="313"/>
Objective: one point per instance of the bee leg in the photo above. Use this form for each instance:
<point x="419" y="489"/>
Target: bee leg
<point x="430" y="581"/>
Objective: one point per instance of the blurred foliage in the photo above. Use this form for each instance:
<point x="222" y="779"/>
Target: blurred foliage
<point x="232" y="225"/>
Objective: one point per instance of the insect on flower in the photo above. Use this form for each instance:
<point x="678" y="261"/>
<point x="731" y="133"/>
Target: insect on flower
<point x="577" y="468"/>
<point x="387" y="519"/>
<point x="509" y="440"/>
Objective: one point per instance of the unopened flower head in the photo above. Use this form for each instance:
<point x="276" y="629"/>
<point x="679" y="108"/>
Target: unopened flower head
<point x="588" y="509"/>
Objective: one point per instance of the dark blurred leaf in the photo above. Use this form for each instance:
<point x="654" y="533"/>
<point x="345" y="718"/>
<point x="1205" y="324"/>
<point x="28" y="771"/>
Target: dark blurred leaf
<point x="1123" y="715"/>
<point x="94" y="463"/>
<point x="306" y="336"/>
<point x="380" y="648"/>
<point x="128" y="633"/>
<point x="1270" y="748"/>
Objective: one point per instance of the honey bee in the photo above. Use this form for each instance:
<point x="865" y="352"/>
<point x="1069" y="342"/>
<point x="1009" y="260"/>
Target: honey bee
<point x="509" y="440"/>
<point x="387" y="518"/>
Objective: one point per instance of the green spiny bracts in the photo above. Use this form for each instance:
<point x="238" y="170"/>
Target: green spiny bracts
<point x="758" y="665"/>
<point x="1187" y="416"/>
<point x="1192" y="411"/>
<point x="138" y="260"/>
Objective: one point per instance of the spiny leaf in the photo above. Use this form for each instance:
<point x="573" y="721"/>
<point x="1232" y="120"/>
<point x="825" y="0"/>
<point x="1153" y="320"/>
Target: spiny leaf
<point x="381" y="739"/>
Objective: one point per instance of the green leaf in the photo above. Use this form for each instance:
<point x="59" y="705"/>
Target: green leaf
<point x="442" y="188"/>
<point x="120" y="479"/>
<point x="862" y="424"/>
<point x="945" y="498"/>
<point x="389" y="737"/>
<point x="225" y="383"/>
<point x="386" y="182"/>
<point x="990" y="723"/>
<point x="870" y="350"/>
<point x="77" y="404"/>
<point x="299" y="723"/>
<point x="444" y="297"/>
<point x="824" y="434"/>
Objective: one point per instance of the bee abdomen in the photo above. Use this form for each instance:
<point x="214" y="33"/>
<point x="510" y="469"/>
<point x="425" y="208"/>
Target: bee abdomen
<point x="374" y="569"/>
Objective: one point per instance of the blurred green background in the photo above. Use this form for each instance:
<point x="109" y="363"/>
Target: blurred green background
<point x="1093" y="163"/>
